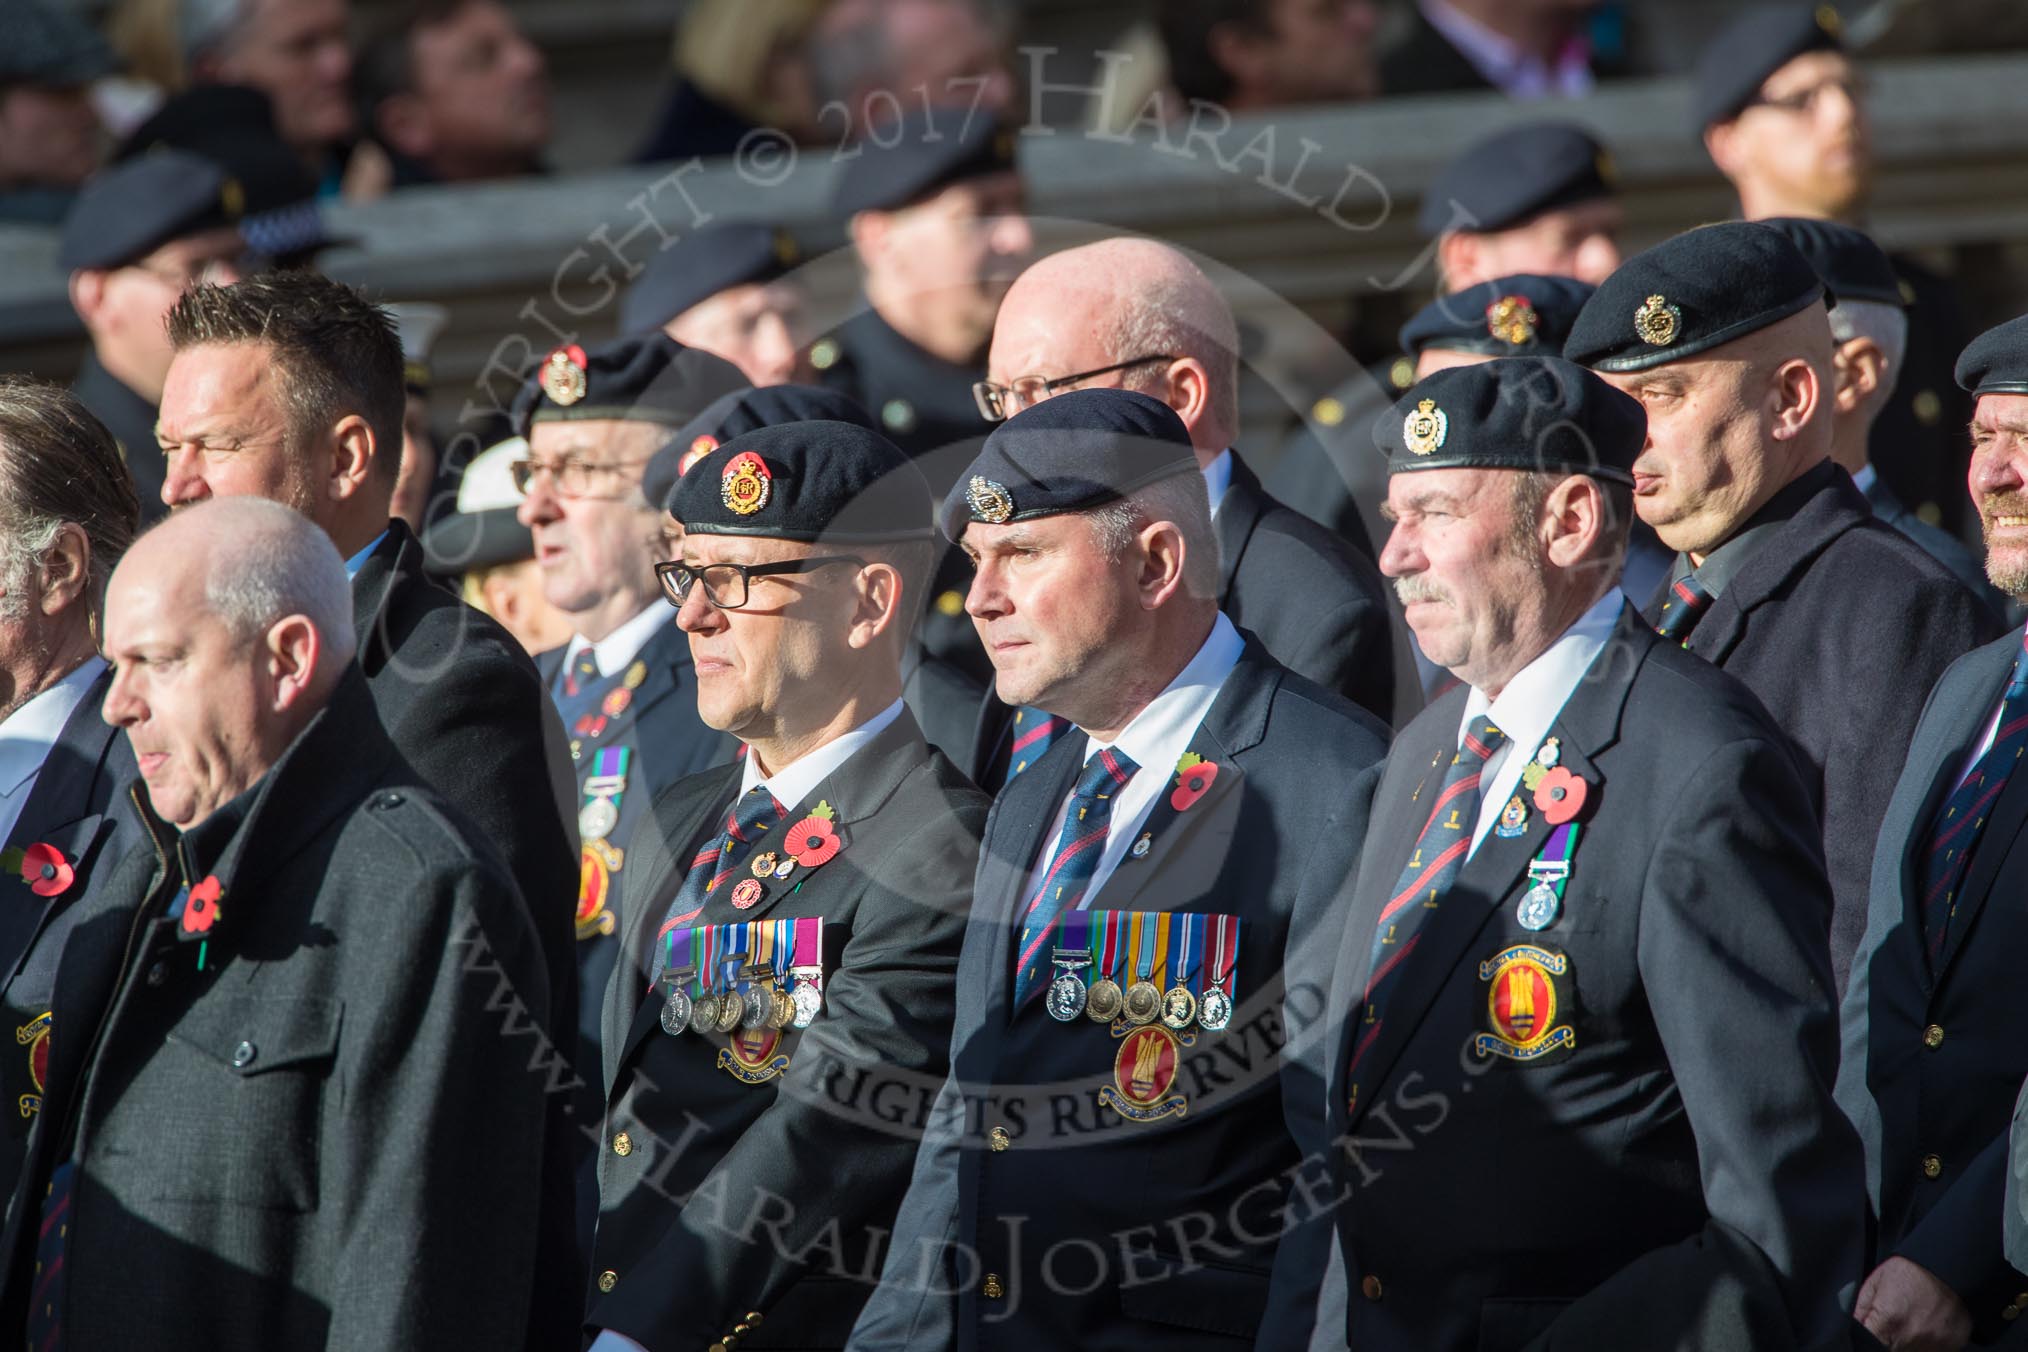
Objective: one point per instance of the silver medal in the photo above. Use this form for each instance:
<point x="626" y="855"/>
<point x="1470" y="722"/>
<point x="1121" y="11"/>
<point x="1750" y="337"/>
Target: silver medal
<point x="596" y="819"/>
<point x="1539" y="908"/>
<point x="676" y="1012"/>
<point x="1215" y="1010"/>
<point x="809" y="1000"/>
<point x="755" y="1007"/>
<point x="1066" y="997"/>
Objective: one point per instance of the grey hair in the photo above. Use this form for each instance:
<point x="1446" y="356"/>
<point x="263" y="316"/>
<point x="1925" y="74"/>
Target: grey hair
<point x="1180" y="499"/>
<point x="1886" y="325"/>
<point x="269" y="562"/>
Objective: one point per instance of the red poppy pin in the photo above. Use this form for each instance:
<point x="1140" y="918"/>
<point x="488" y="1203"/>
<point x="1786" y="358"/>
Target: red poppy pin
<point x="200" y="908"/>
<point x="1194" y="778"/>
<point x="813" y="840"/>
<point x="1559" y="796"/>
<point x="42" y="866"/>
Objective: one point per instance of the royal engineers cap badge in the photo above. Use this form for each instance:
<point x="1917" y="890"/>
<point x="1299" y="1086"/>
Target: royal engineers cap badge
<point x="1425" y="429"/>
<point x="562" y="377"/>
<point x="746" y="484"/>
<point x="1657" y="322"/>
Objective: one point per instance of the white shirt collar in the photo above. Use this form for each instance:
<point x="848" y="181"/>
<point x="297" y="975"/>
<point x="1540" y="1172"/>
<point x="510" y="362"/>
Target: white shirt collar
<point x="624" y="644"/>
<point x="1218" y="478"/>
<point x="27" y="734"/>
<point x="1864" y="479"/>
<point x="1533" y="699"/>
<point x="791" y="784"/>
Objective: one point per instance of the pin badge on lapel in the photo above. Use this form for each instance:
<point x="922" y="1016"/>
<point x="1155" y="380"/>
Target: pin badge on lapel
<point x="42" y="866"/>
<point x="813" y="840"/>
<point x="1194" y="778"/>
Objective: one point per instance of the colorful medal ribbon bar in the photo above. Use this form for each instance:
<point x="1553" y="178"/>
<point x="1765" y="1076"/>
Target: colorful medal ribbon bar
<point x="785" y="942"/>
<point x="1552" y="866"/>
<point x="1076" y="934"/>
<point x="734" y="959"/>
<point x="1189" y="944"/>
<point x="1109" y="962"/>
<point x="707" y="967"/>
<point x="1141" y="938"/>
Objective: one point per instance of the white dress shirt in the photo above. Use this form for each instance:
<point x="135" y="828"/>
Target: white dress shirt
<point x="26" y="736"/>
<point x="1155" y="740"/>
<point x="1531" y="702"/>
<point x="796" y="781"/>
<point x="624" y="644"/>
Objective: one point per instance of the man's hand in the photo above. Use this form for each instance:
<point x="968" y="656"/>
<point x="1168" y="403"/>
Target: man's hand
<point x="1906" y="1307"/>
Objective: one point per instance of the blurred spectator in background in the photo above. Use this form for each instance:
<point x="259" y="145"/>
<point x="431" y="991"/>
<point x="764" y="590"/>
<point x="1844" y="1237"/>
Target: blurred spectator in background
<point x="722" y="288"/>
<point x="872" y="61"/>
<point x="141" y="234"/>
<point x="452" y="91"/>
<point x="49" y="132"/>
<point x="484" y="549"/>
<point x="1781" y="106"/>
<point x="417" y="325"/>
<point x="1251" y="54"/>
<point x="297" y="52"/>
<point x="740" y="64"/>
<point x="1526" y="49"/>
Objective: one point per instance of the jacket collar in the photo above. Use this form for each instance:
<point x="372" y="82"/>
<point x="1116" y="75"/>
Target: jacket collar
<point x="1245" y="503"/>
<point x="396" y="560"/>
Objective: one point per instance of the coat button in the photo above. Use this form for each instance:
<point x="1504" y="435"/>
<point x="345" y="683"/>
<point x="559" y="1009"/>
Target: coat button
<point x="2011" y="1312"/>
<point x="1932" y="1167"/>
<point x="740" y="1330"/>
<point x="998" y="1139"/>
<point x="243" y="1055"/>
<point x="158" y="973"/>
<point x="1369" y="1286"/>
<point x="991" y="1288"/>
<point x="1932" y="1036"/>
<point x="608" y="1280"/>
<point x="623" y="1144"/>
<point x="753" y="1317"/>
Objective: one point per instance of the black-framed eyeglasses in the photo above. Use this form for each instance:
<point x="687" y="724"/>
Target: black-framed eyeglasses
<point x="997" y="403"/>
<point x="1853" y="87"/>
<point x="725" y="584"/>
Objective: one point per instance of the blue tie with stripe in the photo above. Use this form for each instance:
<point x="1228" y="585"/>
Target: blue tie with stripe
<point x="1955" y="833"/>
<point x="1438" y="859"/>
<point x="1071" y="865"/>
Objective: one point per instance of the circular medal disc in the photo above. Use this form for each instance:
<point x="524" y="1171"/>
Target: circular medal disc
<point x="1066" y="997"/>
<point x="1538" y="909"/>
<point x="809" y="1000"/>
<point x="755" y="1007"/>
<point x="731" y="1009"/>
<point x="1179" y="1008"/>
<point x="596" y="820"/>
<point x="1143" y="1002"/>
<point x="1102" y="1003"/>
<point x="783" y="1009"/>
<point x="676" y="1012"/>
<point x="704" y="1013"/>
<point x="1216" y="1011"/>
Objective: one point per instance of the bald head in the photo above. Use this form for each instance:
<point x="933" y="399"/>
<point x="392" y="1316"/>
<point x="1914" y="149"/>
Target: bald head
<point x="1122" y="300"/>
<point x="229" y="625"/>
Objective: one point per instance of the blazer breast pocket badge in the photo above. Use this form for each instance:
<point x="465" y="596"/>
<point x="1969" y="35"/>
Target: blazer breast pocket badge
<point x="1528" y="988"/>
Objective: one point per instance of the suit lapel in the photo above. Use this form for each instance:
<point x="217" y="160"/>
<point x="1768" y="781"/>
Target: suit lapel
<point x="2004" y="821"/>
<point x="1588" y="723"/>
<point x="1827" y="505"/>
<point x="1962" y="712"/>
<point x="1240" y="511"/>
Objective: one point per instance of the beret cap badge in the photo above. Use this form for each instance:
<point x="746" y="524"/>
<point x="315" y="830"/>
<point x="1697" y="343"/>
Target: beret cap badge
<point x="702" y="445"/>
<point x="1424" y="430"/>
<point x="1512" y="320"/>
<point x="746" y="484"/>
<point x="990" y="502"/>
<point x="563" y="375"/>
<point x="1657" y="322"/>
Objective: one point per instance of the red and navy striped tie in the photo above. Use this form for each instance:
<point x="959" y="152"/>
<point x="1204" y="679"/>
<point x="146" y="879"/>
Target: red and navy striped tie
<point x="1438" y="859"/>
<point x="1956" y="831"/>
<point x="752" y="817"/>
<point x="1688" y="600"/>
<point x="1071" y="866"/>
<point x="1028" y="736"/>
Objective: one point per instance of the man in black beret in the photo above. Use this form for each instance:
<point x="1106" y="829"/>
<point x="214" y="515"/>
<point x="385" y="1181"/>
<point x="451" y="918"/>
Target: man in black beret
<point x="1781" y="107"/>
<point x="140" y="234"/>
<point x="1536" y="198"/>
<point x="934" y="206"/>
<point x="481" y="549"/>
<point x="1783" y="576"/>
<point x="1317" y="604"/>
<point x="1526" y="315"/>
<point x="623" y="684"/>
<point x="791" y="921"/>
<point x="722" y="287"/>
<point x="1936" y="1044"/>
<point x="1531" y="978"/>
<point x="1120" y="1017"/>
<point x="49" y="130"/>
<point x="1869" y="329"/>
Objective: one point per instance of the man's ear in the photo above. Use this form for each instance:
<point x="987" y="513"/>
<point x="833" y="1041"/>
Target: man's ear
<point x="1458" y="255"/>
<point x="294" y="647"/>
<point x="1796" y="393"/>
<point x="353" y="449"/>
<point x="66" y="569"/>
<point x="878" y="606"/>
<point x="1162" y="553"/>
<point x="1860" y="369"/>
<point x="88" y="294"/>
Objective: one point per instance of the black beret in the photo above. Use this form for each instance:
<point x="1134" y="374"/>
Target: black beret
<point x="1736" y="63"/>
<point x="926" y="151"/>
<point x="652" y="378"/>
<point x="50" y="46"/>
<point x="1689" y="294"/>
<point x="700" y="265"/>
<point x="126" y="212"/>
<point x="1520" y="413"/>
<point x="1851" y="265"/>
<point x="811" y="481"/>
<point x="1514" y="175"/>
<point x="484" y="530"/>
<point x="736" y="414"/>
<point x="1996" y="362"/>
<point x="1519" y="316"/>
<point x="1079" y="450"/>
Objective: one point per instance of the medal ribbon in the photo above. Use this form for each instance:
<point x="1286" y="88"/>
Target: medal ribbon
<point x="1151" y="943"/>
<point x="763" y="946"/>
<point x="1552" y="865"/>
<point x="809" y="941"/>
<point x="1109" y="942"/>
<point x="1225" y="952"/>
<point x="785" y="937"/>
<point x="707" y="966"/>
<point x="1189" y="945"/>
<point x="1077" y="936"/>
<point x="734" y="958"/>
<point x="672" y="941"/>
